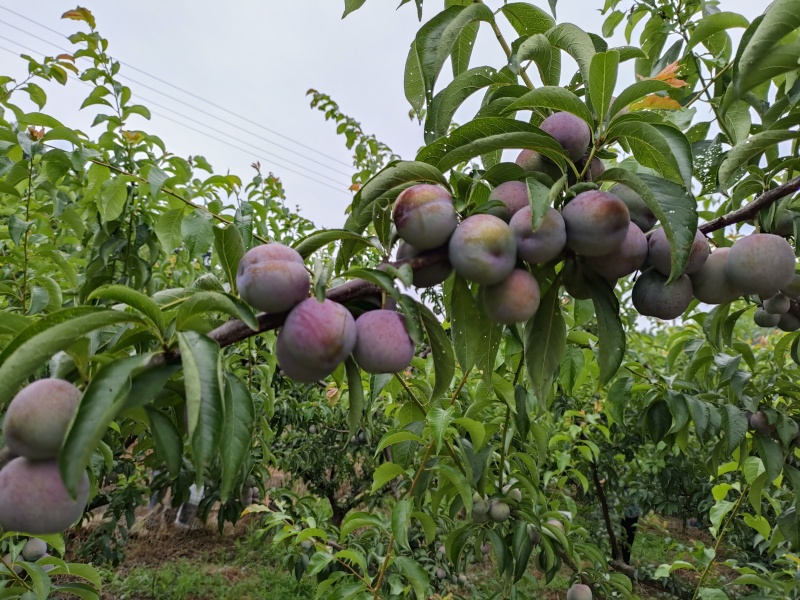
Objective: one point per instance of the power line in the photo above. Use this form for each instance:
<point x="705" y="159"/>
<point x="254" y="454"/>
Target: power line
<point x="182" y="90"/>
<point x="222" y="141"/>
<point x="200" y="110"/>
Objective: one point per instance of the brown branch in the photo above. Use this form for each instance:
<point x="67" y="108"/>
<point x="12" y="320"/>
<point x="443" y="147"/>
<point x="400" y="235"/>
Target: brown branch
<point x="601" y="494"/>
<point x="750" y="210"/>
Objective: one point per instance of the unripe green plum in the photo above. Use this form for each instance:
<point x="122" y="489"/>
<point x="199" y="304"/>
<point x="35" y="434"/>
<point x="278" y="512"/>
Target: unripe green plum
<point x="653" y="297"/>
<point x="33" y="498"/>
<point x="761" y="263"/>
<point x="513" y="195"/>
<point x="499" y="511"/>
<point x="777" y="304"/>
<point x="546" y="242"/>
<point x="639" y="211"/>
<point x="38" y="417"/>
<point x="626" y="259"/>
<point x="788" y="322"/>
<point x="382" y="343"/>
<point x="660" y="256"/>
<point x="556" y="523"/>
<point x="462" y="579"/>
<point x="532" y="161"/>
<point x="597" y="223"/>
<point x="513" y="300"/>
<point x="425" y="216"/>
<point x="793" y="289"/>
<point x="710" y="283"/>
<point x="272" y="278"/>
<point x="514" y="493"/>
<point x="428" y="276"/>
<point x="579" y="591"/>
<point x="315" y="339"/>
<point x="759" y="422"/>
<point x="480" y="506"/>
<point x="570" y="131"/>
<point x="764" y="319"/>
<point x="483" y="249"/>
<point x="34" y="549"/>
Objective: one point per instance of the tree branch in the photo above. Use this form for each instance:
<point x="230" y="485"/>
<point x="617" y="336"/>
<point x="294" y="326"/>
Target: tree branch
<point x="749" y="211"/>
<point x="601" y="494"/>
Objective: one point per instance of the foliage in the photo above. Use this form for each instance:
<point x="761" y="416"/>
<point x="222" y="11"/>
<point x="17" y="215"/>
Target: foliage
<point x="119" y="273"/>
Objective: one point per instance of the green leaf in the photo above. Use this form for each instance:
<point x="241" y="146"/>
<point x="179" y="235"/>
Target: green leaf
<point x="237" y="431"/>
<point x="602" y="79"/>
<point x="169" y="445"/>
<point x="681" y="151"/>
<point x="230" y="249"/>
<point x="576" y="43"/>
<point x="413" y="80"/>
<point x="527" y="19"/>
<point x="741" y="154"/>
<point x="415" y="574"/>
<point x="610" y="332"/>
<point x="545" y="343"/>
<point x="34" y="345"/>
<point x="383" y="475"/>
<point x="352" y="6"/>
<point x="401" y="519"/>
<point x="671" y="204"/>
<point x="557" y="98"/>
<point x="156" y="178"/>
<point x="445" y="104"/>
<point x="168" y="229"/>
<point x="197" y="232"/>
<point x="462" y="49"/>
<point x="734" y="424"/>
<point x="487" y="134"/>
<point x="712" y="24"/>
<point x="62" y="133"/>
<point x="638" y="90"/>
<point x="464" y="317"/>
<point x="435" y="41"/>
<point x="133" y="298"/>
<point x="102" y="400"/>
<point x="201" y="303"/>
<point x="649" y="146"/>
<point x="355" y="390"/>
<point x="444" y="363"/>
<point x="781" y="18"/>
<point x="439" y="420"/>
<point x="202" y="372"/>
<point x="309" y="244"/>
<point x="770" y="452"/>
<point x="658" y="420"/>
<point x="539" y="49"/>
<point x="112" y="199"/>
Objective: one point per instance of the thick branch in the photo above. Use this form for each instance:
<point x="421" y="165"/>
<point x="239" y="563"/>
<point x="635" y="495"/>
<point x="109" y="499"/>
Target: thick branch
<point x="612" y="538"/>
<point x="749" y="211"/>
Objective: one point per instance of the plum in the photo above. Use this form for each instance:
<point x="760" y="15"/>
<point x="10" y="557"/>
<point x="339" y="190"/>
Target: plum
<point x="532" y="161"/>
<point x="315" y="339"/>
<point x="513" y="195"/>
<point x="272" y="278"/>
<point x="382" y="343"/>
<point x="513" y="300"/>
<point x="499" y="511"/>
<point x="38" y="418"/>
<point x="546" y="242"/>
<point x="597" y="223"/>
<point x="427" y="276"/>
<point x="626" y="259"/>
<point x="579" y="591"/>
<point x="760" y="263"/>
<point x="660" y="256"/>
<point x="788" y="322"/>
<point x="710" y="283"/>
<point x="653" y="297"/>
<point x="764" y="319"/>
<point x="570" y="131"/>
<point x="639" y="211"/>
<point x="483" y="249"/>
<point x="425" y="216"/>
<point x="759" y="422"/>
<point x="777" y="304"/>
<point x="34" y="549"/>
<point x="33" y="498"/>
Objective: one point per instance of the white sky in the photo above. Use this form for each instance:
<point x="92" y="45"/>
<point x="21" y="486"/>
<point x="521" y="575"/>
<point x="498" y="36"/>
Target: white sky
<point x="258" y="59"/>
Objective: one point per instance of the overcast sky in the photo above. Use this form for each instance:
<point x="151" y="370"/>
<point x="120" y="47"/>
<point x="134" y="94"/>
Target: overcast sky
<point x="257" y="59"/>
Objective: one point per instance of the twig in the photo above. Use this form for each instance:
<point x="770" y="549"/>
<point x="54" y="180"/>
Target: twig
<point x="601" y="494"/>
<point x="750" y="210"/>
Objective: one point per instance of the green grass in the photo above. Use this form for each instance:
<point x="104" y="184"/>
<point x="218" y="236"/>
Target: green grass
<point x="654" y="549"/>
<point x="252" y="572"/>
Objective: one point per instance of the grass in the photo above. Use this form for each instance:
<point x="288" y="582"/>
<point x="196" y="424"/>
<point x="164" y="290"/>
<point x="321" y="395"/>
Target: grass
<point x="250" y="572"/>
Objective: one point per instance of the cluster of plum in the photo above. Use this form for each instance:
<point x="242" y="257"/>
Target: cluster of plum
<point x="33" y="498"/>
<point x="318" y="336"/>
<point x="598" y="233"/>
<point x="33" y="550"/>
